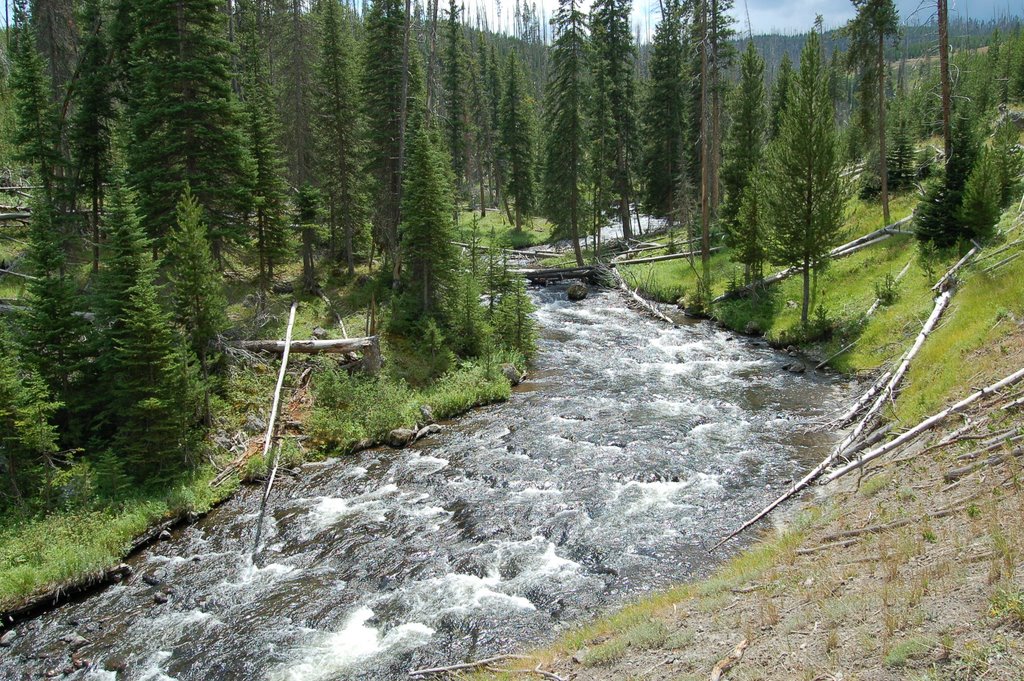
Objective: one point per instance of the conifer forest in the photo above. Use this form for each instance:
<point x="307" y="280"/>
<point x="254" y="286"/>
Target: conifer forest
<point x="256" y="254"/>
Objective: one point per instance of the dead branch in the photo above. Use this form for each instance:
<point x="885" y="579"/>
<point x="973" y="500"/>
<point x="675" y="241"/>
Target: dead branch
<point x="730" y="660"/>
<point x="925" y="425"/>
<point x="957" y="473"/>
<point x="462" y="666"/>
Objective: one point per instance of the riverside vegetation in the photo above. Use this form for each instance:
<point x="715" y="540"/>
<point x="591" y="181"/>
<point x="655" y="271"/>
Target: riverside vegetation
<point x="168" y="200"/>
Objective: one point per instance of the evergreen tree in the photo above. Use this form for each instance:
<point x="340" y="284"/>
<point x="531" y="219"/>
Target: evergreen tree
<point x="27" y="435"/>
<point x="566" y="124"/>
<point x="513" y="326"/>
<point x="664" y="114"/>
<point x="427" y="229"/>
<point x="804" y="198"/>
<point x="902" y="170"/>
<point x="480" y="106"/>
<point x="456" y="78"/>
<point x="36" y="134"/>
<point x="780" y="96"/>
<point x="1007" y="157"/>
<point x="52" y="330"/>
<point x="185" y="128"/>
<point x="745" y="141"/>
<point x="307" y="209"/>
<point x="749" y="232"/>
<point x="517" y="140"/>
<point x="614" y="57"/>
<point x="199" y="303"/>
<point x="876" y="22"/>
<point x="936" y="217"/>
<point x="90" y="129"/>
<point x="147" y="396"/>
<point x="337" y="127"/>
<point x="382" y="100"/>
<point x="269" y="191"/>
<point x="979" y="211"/>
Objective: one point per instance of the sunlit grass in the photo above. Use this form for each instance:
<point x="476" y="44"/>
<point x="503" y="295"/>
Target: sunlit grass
<point x="536" y="230"/>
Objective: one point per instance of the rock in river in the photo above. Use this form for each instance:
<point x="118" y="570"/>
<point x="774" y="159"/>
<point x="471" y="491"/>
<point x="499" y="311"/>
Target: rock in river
<point x="400" y="437"/>
<point x="577" y="292"/>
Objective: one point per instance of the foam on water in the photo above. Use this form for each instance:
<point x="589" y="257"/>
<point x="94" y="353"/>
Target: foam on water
<point x="329" y="654"/>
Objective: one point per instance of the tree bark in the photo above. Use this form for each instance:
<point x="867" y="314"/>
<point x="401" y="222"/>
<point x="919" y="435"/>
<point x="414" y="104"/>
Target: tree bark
<point x="947" y="135"/>
<point x="883" y="164"/>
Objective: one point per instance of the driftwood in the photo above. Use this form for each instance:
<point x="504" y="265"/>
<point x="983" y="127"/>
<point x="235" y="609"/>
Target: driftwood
<point x="730" y="660"/>
<point x="271" y="423"/>
<point x="545" y="276"/>
<point x="847" y="417"/>
<point x="644" y="305"/>
<point x="925" y="425"/>
<point x="896" y="524"/>
<point x="957" y="473"/>
<point x="313" y="346"/>
<point x="462" y="666"/>
<point x="890" y="388"/>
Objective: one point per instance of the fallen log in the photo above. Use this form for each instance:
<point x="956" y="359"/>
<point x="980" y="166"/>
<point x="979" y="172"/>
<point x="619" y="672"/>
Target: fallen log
<point x="462" y="666"/>
<point x="847" y="417"/>
<point x="271" y="423"/>
<point x="19" y="274"/>
<point x="660" y="258"/>
<point x="17" y="215"/>
<point x="841" y="251"/>
<point x="941" y="284"/>
<point x="957" y="473"/>
<point x="890" y="388"/>
<point x="644" y="305"/>
<point x="924" y="426"/>
<point x="896" y="524"/>
<point x="1004" y="261"/>
<point x="339" y="346"/>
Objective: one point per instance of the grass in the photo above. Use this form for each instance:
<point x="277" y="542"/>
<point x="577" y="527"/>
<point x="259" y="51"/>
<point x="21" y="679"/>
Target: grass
<point x="901" y="653"/>
<point x="39" y="553"/>
<point x="536" y="231"/>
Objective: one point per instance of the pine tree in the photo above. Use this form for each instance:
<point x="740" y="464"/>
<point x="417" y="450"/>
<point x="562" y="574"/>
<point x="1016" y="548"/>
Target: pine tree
<point x="337" y="127"/>
<point x="517" y="140"/>
<point x="902" y="170"/>
<point x="146" y="402"/>
<point x="749" y="232"/>
<point x="455" y="76"/>
<point x="27" y="435"/>
<point x="614" y="57"/>
<point x="804" y="198"/>
<point x="199" y="303"/>
<point x="936" y="217"/>
<point x="52" y="330"/>
<point x="90" y="128"/>
<point x="780" y="96"/>
<point x="382" y="100"/>
<point x="745" y="141"/>
<point x="186" y="127"/>
<point x="513" y="326"/>
<point x="979" y="211"/>
<point x="664" y="114"/>
<point x="427" y="229"/>
<point x="307" y="209"/>
<point x="36" y="133"/>
<point x="1007" y="158"/>
<point x="269" y="191"/>
<point x="480" y="107"/>
<point x="877" y="22"/>
<point x="565" y="168"/>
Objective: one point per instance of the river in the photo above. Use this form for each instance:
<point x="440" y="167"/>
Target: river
<point x="631" y="447"/>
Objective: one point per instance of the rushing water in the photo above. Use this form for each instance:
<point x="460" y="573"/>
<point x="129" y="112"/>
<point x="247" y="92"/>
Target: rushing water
<point x="630" y="449"/>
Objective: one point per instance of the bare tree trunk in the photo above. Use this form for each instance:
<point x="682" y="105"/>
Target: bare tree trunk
<point x="705" y="156"/>
<point x="805" y="309"/>
<point x="883" y="164"/>
<point x="947" y="135"/>
<point x="432" y="59"/>
<point x="716" y="108"/>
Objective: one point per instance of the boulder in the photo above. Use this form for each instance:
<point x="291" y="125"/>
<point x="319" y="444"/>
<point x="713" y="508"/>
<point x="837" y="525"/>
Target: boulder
<point x="427" y="413"/>
<point x="7" y="640"/>
<point x="577" y="292"/>
<point x="319" y="332"/>
<point x="796" y="368"/>
<point x="400" y="437"/>
<point x="152" y="579"/>
<point x="753" y="329"/>
<point x="512" y="374"/>
<point x="74" y="640"/>
<point x="161" y="597"/>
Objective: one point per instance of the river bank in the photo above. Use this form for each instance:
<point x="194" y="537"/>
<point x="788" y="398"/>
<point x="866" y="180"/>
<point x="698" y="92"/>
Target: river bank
<point x="604" y="477"/>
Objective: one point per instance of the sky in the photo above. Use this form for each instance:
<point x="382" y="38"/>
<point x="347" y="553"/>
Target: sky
<point x="780" y="16"/>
